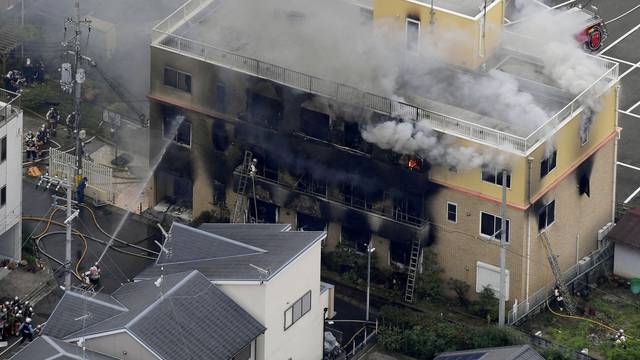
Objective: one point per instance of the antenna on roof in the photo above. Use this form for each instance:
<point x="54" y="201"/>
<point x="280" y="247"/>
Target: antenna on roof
<point x="158" y="282"/>
<point x="263" y="272"/>
<point x="164" y="233"/>
<point x="166" y="238"/>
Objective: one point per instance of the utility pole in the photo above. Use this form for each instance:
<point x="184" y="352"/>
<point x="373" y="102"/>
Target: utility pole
<point x="503" y="251"/>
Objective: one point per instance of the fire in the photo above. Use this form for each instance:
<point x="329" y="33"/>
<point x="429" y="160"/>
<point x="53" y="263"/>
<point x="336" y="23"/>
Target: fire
<point x="413" y="164"/>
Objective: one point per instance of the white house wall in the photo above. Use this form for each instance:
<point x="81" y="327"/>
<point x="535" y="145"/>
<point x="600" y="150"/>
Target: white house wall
<point x="626" y="261"/>
<point x="114" y="345"/>
<point x="11" y="177"/>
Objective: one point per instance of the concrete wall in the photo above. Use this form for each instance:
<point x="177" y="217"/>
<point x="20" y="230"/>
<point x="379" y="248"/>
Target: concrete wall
<point x="626" y="261"/>
<point x="114" y="345"/>
<point x="11" y="177"/>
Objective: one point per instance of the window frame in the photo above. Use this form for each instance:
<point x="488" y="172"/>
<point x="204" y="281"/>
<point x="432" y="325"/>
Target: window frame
<point x="406" y="38"/>
<point x="3" y="149"/>
<point x="188" y="85"/>
<point x="175" y="137"/>
<point x="545" y="210"/>
<point x="449" y="203"/>
<point x="3" y="196"/>
<point x="554" y="157"/>
<point x="495" y="176"/>
<point x="290" y="309"/>
<point x="491" y="237"/>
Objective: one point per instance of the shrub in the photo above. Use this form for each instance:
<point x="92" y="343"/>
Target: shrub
<point x="486" y="305"/>
<point x="461" y="289"/>
<point x="430" y="281"/>
<point x="555" y="354"/>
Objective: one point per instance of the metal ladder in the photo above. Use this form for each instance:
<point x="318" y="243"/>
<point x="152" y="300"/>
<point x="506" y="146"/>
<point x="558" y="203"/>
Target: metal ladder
<point x="569" y="301"/>
<point x="238" y="209"/>
<point x="413" y="270"/>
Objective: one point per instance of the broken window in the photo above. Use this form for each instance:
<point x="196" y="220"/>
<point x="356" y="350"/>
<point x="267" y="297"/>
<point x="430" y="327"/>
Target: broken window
<point x="400" y="252"/>
<point x="583" y="185"/>
<point x="219" y="136"/>
<point x="219" y="193"/>
<point x="264" y="110"/>
<point x="490" y="225"/>
<point x="413" y="35"/>
<point x="176" y="127"/>
<point x="547" y="216"/>
<point x="315" y="124"/>
<point x="310" y="223"/>
<point x="355" y="237"/>
<point x="177" y="79"/>
<point x="548" y="164"/>
<point x="494" y="176"/>
<point x="353" y="138"/>
<point x="310" y="184"/>
<point x="267" y="213"/>
<point x="221" y="98"/>
<point x="408" y="209"/>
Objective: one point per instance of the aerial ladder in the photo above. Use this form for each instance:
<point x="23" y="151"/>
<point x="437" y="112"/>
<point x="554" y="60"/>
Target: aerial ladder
<point x="413" y="270"/>
<point x="569" y="301"/>
<point x="247" y="171"/>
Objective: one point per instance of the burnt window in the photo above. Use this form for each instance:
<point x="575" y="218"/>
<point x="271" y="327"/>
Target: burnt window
<point x="413" y="35"/>
<point x="583" y="185"/>
<point x="408" y="209"/>
<point x="221" y="97"/>
<point x="177" y="79"/>
<point x="219" y="193"/>
<point x="547" y="216"/>
<point x="492" y="175"/>
<point x="356" y="197"/>
<point x="400" y="252"/>
<point x="314" y="124"/>
<point x="264" y="110"/>
<point x="310" y="223"/>
<point x="176" y="127"/>
<point x="3" y="149"/>
<point x="3" y="196"/>
<point x="219" y="136"/>
<point x="266" y="212"/>
<point x="548" y="164"/>
<point x="355" y="237"/>
<point x="310" y="184"/>
<point x="353" y="138"/>
<point x="266" y="165"/>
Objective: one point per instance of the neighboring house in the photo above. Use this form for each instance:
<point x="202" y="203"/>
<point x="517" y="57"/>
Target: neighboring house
<point x="223" y="81"/>
<point x="46" y="347"/>
<point x="180" y="316"/>
<point x="10" y="176"/>
<point x="626" y="238"/>
<point x="271" y="272"/>
<point x="521" y="352"/>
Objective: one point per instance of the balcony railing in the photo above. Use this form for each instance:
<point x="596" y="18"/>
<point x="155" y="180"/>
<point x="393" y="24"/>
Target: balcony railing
<point x="164" y="37"/>
<point x="9" y="105"/>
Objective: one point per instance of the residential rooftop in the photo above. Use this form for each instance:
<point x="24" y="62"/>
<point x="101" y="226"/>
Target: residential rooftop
<point x="310" y="49"/>
<point x="232" y="252"/>
<point x="45" y="347"/>
<point x="9" y="105"/>
<point x="519" y="352"/>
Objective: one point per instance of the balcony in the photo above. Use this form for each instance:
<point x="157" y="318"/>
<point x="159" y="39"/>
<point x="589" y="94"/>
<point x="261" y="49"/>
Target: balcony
<point x="171" y="33"/>
<point x="9" y="105"/>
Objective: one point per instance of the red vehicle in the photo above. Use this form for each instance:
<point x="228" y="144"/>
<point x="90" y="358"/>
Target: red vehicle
<point x="595" y="32"/>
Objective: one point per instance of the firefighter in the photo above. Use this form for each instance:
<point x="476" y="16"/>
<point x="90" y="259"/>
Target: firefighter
<point x="621" y="339"/>
<point x="93" y="276"/>
<point x="53" y="117"/>
<point x="559" y="298"/>
<point x="253" y="168"/>
<point x="26" y="330"/>
<point x="31" y="147"/>
<point x="70" y="123"/>
<point x="80" y="191"/>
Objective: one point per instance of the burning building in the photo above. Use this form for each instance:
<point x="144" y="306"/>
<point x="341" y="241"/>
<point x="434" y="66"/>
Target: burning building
<point x="388" y="121"/>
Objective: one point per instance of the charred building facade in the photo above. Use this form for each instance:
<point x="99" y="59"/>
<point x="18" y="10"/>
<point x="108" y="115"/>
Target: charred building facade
<point x="316" y="133"/>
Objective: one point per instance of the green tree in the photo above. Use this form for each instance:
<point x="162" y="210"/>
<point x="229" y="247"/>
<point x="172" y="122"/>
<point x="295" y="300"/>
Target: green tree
<point x="430" y="284"/>
<point x="461" y="289"/>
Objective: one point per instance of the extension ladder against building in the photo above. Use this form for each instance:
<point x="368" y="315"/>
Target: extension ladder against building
<point x="238" y="209"/>
<point x="569" y="301"/>
<point x="413" y="270"/>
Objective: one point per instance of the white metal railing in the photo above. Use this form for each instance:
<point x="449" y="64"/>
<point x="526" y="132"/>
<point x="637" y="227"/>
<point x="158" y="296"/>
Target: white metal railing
<point x="99" y="177"/>
<point x="164" y="37"/>
<point x="9" y="105"/>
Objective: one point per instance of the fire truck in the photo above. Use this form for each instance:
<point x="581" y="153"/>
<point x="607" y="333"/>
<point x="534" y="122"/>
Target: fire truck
<point x="594" y="32"/>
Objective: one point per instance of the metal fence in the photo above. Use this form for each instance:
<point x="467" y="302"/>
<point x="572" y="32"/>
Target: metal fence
<point x="99" y="177"/>
<point x="163" y="36"/>
<point x="576" y="272"/>
<point x="9" y="105"/>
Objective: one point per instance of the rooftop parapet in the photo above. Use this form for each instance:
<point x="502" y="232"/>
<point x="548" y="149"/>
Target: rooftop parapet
<point x="9" y="105"/>
<point x="169" y="35"/>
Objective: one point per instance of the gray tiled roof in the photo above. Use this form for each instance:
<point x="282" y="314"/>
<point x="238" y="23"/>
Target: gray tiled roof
<point x="73" y="306"/>
<point x="186" y="317"/>
<point x="45" y="347"/>
<point x="519" y="352"/>
<point x="228" y="251"/>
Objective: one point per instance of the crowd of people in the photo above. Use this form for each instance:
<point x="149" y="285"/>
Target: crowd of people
<point x="16" y="320"/>
<point x="15" y="80"/>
